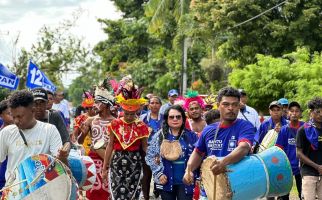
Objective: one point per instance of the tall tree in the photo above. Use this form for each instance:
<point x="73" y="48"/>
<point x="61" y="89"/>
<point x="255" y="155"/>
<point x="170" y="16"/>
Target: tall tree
<point x="158" y="10"/>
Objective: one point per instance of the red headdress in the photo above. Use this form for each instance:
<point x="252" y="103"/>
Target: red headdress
<point x="192" y="96"/>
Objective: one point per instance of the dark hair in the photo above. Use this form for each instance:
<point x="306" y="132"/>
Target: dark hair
<point x="3" y="106"/>
<point x="315" y="103"/>
<point x="155" y="97"/>
<point x="165" y="126"/>
<point x="228" y="92"/>
<point x="50" y="92"/>
<point x="212" y="116"/>
<point x="22" y="98"/>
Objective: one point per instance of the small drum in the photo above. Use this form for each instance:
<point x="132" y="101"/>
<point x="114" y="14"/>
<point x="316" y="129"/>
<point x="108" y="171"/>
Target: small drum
<point x="261" y="175"/>
<point x="83" y="170"/>
<point x="39" y="177"/>
<point x="268" y="141"/>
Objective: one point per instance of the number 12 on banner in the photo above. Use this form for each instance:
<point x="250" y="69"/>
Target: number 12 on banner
<point x="36" y="77"/>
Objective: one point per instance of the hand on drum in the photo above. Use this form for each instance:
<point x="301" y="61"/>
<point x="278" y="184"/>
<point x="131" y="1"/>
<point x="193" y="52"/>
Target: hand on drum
<point x="163" y="179"/>
<point x="218" y="167"/>
<point x="63" y="153"/>
<point x="188" y="177"/>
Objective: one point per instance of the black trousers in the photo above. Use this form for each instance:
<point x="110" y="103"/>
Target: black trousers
<point x="146" y="180"/>
<point x="298" y="180"/>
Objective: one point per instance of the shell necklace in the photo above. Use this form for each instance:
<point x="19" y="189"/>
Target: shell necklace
<point x="130" y="137"/>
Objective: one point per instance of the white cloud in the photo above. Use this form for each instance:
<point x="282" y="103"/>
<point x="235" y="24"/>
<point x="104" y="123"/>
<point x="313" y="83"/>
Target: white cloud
<point x="26" y="17"/>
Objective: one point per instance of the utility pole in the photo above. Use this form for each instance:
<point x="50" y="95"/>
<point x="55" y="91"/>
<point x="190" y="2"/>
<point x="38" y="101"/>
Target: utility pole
<point x="184" y="66"/>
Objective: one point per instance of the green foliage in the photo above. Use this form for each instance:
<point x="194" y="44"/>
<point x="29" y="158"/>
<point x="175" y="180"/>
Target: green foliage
<point x="131" y="8"/>
<point x="4" y="93"/>
<point x="277" y="32"/>
<point x="127" y="41"/>
<point x="296" y="76"/>
<point x="90" y="75"/>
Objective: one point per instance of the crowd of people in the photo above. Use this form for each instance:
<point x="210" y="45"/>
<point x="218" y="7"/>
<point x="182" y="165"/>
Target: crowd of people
<point x="134" y="140"/>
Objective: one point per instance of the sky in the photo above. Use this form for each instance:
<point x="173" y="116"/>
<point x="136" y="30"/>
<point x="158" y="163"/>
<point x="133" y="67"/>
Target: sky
<point x="24" y="18"/>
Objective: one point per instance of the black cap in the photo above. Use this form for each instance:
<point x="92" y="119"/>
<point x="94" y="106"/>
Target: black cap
<point x="39" y="94"/>
<point x="294" y="103"/>
<point x="242" y="92"/>
<point x="274" y="103"/>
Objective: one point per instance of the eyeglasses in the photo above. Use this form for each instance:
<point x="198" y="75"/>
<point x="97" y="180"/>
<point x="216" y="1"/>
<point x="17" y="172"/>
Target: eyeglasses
<point x="178" y="117"/>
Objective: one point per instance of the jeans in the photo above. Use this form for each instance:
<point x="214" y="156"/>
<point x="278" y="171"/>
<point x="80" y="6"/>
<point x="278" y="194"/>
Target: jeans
<point x="177" y="193"/>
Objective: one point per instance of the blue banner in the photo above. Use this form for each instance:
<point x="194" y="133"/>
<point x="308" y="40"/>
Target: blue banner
<point x="36" y="78"/>
<point x="7" y="78"/>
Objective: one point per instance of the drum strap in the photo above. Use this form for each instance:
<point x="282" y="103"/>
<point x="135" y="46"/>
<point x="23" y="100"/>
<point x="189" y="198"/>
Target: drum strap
<point x="242" y="112"/>
<point x="23" y="138"/>
<point x="215" y="136"/>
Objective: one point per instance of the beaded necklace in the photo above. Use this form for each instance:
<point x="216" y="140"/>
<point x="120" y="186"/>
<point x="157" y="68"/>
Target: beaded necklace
<point x="130" y="137"/>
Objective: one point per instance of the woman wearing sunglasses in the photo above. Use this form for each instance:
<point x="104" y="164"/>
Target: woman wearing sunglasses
<point x="168" y="153"/>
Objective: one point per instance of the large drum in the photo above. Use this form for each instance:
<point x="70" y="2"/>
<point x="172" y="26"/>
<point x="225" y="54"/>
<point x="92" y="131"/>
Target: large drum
<point x="83" y="170"/>
<point x="266" y="174"/>
<point x="39" y="177"/>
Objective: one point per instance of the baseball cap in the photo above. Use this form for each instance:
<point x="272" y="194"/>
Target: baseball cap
<point x="294" y="103"/>
<point x="39" y="94"/>
<point x="173" y="92"/>
<point x="274" y="103"/>
<point x="283" y="101"/>
<point x="242" y="92"/>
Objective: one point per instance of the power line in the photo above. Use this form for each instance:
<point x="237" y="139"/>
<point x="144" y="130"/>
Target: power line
<point x="260" y="14"/>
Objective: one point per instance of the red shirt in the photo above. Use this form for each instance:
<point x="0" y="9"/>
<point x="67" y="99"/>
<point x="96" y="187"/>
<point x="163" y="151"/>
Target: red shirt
<point x="128" y="135"/>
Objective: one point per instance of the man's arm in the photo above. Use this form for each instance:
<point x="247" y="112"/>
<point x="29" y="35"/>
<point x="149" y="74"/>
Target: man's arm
<point x="306" y="160"/>
<point x="194" y="162"/>
<point x="219" y="166"/>
<point x="84" y="128"/>
<point x="107" y="157"/>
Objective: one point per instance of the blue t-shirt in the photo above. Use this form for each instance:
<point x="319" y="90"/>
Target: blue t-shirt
<point x="227" y="139"/>
<point x="265" y="127"/>
<point x="178" y="166"/>
<point x="286" y="140"/>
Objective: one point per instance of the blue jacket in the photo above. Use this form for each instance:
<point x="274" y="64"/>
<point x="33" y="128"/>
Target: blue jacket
<point x="165" y="167"/>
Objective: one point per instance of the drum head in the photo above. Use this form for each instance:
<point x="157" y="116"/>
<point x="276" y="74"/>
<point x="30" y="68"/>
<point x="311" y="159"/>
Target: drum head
<point x="39" y="175"/>
<point x="223" y="190"/>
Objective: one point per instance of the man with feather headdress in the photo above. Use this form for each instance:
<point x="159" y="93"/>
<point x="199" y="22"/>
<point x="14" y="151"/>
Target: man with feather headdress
<point x="96" y="126"/>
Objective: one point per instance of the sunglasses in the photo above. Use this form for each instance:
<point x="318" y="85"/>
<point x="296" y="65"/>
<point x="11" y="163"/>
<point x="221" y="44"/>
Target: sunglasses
<point x="178" y="117"/>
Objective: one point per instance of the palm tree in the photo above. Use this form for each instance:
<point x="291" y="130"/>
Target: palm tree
<point x="158" y="11"/>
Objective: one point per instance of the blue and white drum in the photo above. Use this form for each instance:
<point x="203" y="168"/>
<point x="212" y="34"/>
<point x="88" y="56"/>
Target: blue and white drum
<point x="262" y="175"/>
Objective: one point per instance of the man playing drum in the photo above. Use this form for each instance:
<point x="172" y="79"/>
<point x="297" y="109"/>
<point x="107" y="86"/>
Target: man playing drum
<point x="27" y="136"/>
<point x="230" y="138"/>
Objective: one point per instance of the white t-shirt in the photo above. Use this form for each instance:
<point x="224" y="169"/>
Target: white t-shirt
<point x="42" y="138"/>
<point x="61" y="107"/>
